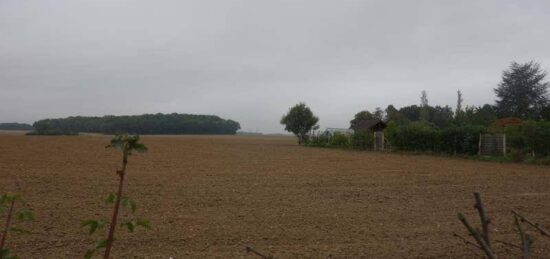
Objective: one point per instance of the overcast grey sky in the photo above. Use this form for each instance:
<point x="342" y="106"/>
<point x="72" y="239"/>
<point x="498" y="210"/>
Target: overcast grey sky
<point x="250" y="60"/>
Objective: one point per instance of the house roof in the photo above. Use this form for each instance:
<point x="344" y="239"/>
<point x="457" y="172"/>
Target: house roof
<point x="373" y="124"/>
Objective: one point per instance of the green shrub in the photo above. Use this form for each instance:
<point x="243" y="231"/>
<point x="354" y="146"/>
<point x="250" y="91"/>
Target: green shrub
<point x="460" y="140"/>
<point x="339" y="140"/>
<point x="362" y="140"/>
<point x="417" y="136"/>
<point x="319" y="140"/>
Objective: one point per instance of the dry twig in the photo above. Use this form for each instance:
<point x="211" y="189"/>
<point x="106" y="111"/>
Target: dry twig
<point x="251" y="250"/>
<point x="535" y="225"/>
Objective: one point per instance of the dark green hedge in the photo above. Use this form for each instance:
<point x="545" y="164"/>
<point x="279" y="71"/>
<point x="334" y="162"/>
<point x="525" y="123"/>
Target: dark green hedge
<point x="139" y="124"/>
<point x="424" y="137"/>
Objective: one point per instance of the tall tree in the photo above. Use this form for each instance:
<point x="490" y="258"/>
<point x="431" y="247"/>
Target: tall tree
<point x="459" y="100"/>
<point x="300" y="120"/>
<point x="522" y="92"/>
<point x="424" y="111"/>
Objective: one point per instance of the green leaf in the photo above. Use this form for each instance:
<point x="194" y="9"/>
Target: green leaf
<point x="125" y="201"/>
<point x="110" y="199"/>
<point x="128" y="202"/>
<point x="127" y="143"/>
<point x="102" y="243"/>
<point x="144" y="223"/>
<point x="130" y="225"/>
<point x="19" y="230"/>
<point x="133" y="206"/>
<point x="24" y="214"/>
<point x="93" y="224"/>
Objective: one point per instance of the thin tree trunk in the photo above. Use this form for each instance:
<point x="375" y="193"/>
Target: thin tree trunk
<point x="110" y="238"/>
<point x="8" y="221"/>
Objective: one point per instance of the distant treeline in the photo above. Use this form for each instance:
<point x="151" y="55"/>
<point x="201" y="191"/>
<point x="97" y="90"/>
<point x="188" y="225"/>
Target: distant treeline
<point x="15" y="126"/>
<point x="138" y="124"/>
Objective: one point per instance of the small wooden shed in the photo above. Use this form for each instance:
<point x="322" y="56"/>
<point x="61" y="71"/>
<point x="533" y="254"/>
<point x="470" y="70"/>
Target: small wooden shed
<point x="377" y="128"/>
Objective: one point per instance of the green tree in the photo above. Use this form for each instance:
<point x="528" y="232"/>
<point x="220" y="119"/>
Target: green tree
<point x="522" y="92"/>
<point x="412" y="112"/>
<point x="483" y="115"/>
<point x="300" y="121"/>
<point x="441" y="116"/>
<point x="379" y="114"/>
<point x="359" y="117"/>
<point x="392" y="114"/>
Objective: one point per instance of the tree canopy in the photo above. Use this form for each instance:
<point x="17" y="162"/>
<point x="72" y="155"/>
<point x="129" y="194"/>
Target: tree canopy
<point x="359" y="117"/>
<point x="300" y="121"/>
<point x="138" y="124"/>
<point x="522" y="92"/>
<point x="15" y="126"/>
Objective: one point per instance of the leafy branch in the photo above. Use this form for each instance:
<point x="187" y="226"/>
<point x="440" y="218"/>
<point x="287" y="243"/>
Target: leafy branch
<point x="127" y="144"/>
<point x="8" y="202"/>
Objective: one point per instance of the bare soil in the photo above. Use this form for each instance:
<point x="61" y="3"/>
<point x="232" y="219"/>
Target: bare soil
<point x="211" y="196"/>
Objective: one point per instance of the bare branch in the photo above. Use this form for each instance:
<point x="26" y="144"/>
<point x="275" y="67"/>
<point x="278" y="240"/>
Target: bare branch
<point x="477" y="236"/>
<point x="508" y="244"/>
<point x="526" y="240"/>
<point x="251" y="250"/>
<point x="466" y="241"/>
<point x="535" y="225"/>
<point x="483" y="218"/>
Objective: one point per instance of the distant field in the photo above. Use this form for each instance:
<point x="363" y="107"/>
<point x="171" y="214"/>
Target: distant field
<point x="210" y="196"/>
<point x="14" y="132"/>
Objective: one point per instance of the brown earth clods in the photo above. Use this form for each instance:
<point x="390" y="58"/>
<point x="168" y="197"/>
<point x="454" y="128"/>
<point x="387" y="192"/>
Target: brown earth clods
<point x="211" y="196"/>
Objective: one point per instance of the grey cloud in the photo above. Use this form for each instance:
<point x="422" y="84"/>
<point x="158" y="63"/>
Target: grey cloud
<point x="251" y="60"/>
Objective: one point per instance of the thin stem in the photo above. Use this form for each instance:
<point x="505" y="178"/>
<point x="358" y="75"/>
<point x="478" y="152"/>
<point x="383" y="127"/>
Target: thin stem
<point x="251" y="250"/>
<point x="525" y="240"/>
<point x="7" y="226"/>
<point x="466" y="241"/>
<point x="110" y="238"/>
<point x="483" y="218"/>
<point x="477" y="236"/>
<point x="535" y="225"/>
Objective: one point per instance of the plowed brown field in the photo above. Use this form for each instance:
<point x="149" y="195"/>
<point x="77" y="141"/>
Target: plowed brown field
<point x="210" y="196"/>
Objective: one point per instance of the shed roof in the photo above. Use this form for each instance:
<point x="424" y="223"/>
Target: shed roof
<point x="373" y="124"/>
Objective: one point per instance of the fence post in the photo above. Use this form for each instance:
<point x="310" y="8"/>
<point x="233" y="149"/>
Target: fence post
<point x="504" y="144"/>
<point x="479" y="145"/>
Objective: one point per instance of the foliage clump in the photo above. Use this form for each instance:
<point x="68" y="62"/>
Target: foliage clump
<point x="300" y="121"/>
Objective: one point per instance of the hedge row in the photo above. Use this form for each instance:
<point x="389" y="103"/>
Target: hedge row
<point x="531" y="137"/>
<point x="424" y="137"/>
<point x="359" y="140"/>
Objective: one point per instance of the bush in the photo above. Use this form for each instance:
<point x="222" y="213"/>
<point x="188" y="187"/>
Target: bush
<point x="531" y="136"/>
<point x="317" y="140"/>
<point x="460" y="140"/>
<point x="339" y="140"/>
<point x="362" y="140"/>
<point x="417" y="136"/>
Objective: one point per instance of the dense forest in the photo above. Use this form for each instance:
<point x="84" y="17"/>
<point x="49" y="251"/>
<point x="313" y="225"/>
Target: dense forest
<point x="138" y="124"/>
<point x="15" y="126"/>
